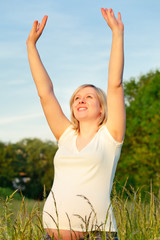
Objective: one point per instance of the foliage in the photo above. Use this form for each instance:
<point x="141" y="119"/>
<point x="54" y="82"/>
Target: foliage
<point x="7" y="156"/>
<point x="137" y="219"/>
<point x="22" y="224"/>
<point x="4" y="192"/>
<point x="30" y="162"/>
<point x="140" y="158"/>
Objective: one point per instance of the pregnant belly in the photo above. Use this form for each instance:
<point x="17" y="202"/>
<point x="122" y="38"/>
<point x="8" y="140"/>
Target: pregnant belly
<point x="61" y="212"/>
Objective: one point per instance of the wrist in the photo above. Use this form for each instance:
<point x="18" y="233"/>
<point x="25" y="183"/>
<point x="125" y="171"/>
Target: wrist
<point x="30" y="45"/>
<point x="117" y="34"/>
<point x="118" y="29"/>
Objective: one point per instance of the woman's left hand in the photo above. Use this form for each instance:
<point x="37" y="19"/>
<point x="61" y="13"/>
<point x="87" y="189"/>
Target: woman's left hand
<point x="115" y="24"/>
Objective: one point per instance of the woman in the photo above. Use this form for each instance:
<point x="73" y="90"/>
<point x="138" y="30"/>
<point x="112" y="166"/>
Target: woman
<point x="89" y="144"/>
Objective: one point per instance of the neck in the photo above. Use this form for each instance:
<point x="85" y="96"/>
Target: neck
<point x="87" y="129"/>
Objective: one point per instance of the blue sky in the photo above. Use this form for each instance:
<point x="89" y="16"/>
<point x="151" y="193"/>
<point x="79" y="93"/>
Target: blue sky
<point x="74" y="48"/>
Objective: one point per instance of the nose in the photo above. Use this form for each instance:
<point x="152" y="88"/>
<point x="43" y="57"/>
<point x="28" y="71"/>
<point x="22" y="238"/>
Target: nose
<point x="82" y="100"/>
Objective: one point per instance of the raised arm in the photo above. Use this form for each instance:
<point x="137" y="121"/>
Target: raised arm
<point x="115" y="96"/>
<point x="53" y="112"/>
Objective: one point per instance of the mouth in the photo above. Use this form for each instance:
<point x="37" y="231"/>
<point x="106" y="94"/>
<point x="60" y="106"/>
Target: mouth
<point x="82" y="109"/>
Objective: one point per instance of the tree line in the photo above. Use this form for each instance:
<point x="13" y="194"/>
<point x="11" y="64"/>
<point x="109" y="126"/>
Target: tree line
<point x="140" y="158"/>
<point x="29" y="162"/>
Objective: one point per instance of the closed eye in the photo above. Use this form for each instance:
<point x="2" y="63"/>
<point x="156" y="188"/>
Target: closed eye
<point x="89" y="96"/>
<point x="76" y="98"/>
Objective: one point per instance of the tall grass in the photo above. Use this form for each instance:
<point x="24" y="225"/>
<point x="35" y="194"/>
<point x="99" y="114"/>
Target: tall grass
<point x="137" y="216"/>
<point x="18" y="221"/>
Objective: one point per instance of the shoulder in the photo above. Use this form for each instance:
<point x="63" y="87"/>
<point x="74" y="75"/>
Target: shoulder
<point x="109" y="137"/>
<point x="66" y="135"/>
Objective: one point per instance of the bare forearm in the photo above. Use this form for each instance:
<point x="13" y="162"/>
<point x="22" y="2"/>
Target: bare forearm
<point x="116" y="63"/>
<point x="40" y="75"/>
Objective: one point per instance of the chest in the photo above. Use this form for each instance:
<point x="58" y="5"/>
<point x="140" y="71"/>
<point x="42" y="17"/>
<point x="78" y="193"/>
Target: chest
<point x="78" y="154"/>
<point x="82" y="143"/>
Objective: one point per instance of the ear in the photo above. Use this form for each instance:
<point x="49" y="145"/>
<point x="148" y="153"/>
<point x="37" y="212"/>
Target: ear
<point x="100" y="114"/>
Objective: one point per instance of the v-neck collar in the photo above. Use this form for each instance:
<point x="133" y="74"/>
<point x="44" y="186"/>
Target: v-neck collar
<point x="75" y="141"/>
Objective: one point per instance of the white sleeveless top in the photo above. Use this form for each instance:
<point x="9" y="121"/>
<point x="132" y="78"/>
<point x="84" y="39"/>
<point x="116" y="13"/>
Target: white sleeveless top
<point x="82" y="183"/>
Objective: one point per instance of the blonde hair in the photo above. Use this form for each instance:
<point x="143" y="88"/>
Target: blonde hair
<point x="102" y="101"/>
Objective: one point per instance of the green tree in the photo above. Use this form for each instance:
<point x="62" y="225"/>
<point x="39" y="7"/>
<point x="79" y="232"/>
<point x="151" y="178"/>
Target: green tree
<point x="7" y="170"/>
<point x="39" y="166"/>
<point x="140" y="158"/>
<point x="31" y="162"/>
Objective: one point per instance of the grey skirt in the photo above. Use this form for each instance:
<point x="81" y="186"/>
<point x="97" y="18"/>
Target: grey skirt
<point x="94" y="236"/>
<point x="101" y="236"/>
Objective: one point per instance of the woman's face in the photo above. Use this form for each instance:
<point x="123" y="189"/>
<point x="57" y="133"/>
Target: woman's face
<point x="86" y="105"/>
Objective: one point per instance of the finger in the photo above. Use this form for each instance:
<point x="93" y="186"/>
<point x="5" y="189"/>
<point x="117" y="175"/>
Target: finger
<point x="34" y="27"/>
<point x="111" y="12"/>
<point x="106" y="10"/>
<point x="119" y="16"/>
<point x="38" y="26"/>
<point x="104" y="13"/>
<point x="43" y="23"/>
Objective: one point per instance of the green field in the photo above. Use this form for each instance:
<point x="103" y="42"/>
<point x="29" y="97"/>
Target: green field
<point x="136" y="219"/>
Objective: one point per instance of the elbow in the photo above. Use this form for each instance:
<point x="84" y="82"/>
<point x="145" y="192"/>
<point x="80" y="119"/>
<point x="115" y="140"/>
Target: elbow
<point x="119" y="84"/>
<point x="116" y="85"/>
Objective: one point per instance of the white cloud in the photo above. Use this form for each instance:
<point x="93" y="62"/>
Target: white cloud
<point x="11" y="119"/>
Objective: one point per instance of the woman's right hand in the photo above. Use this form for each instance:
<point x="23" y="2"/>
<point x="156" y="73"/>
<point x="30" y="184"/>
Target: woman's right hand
<point x="36" y="31"/>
